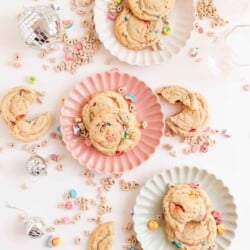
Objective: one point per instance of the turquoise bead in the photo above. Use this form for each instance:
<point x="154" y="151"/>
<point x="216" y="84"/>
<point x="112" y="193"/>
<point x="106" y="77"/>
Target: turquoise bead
<point x="176" y="244"/>
<point x="72" y="193"/>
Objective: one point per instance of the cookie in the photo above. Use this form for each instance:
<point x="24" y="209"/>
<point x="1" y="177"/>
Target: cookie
<point x="194" y="236"/>
<point x="114" y="131"/>
<point x="190" y="122"/>
<point x="135" y="33"/>
<point x="174" y="94"/>
<point x="150" y="9"/>
<point x="15" y="106"/>
<point x="99" y="102"/>
<point x="102" y="238"/>
<point x="184" y="203"/>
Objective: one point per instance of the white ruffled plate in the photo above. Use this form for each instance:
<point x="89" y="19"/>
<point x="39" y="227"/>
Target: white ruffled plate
<point x="181" y="19"/>
<point x="148" y="205"/>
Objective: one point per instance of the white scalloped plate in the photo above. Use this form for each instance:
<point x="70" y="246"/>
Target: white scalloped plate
<point x="181" y="19"/>
<point x="148" y="204"/>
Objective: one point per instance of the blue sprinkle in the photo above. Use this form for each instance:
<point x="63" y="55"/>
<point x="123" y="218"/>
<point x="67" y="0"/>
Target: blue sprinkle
<point x="176" y="244"/>
<point x="156" y="31"/>
<point x="58" y="129"/>
<point x="72" y="193"/>
<point x="130" y="97"/>
<point x="133" y="248"/>
<point x="126" y="18"/>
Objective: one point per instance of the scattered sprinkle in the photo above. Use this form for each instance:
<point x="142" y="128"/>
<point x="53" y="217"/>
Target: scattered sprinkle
<point x="31" y="79"/>
<point x="153" y="225"/>
<point x="227" y="132"/>
<point x="67" y="24"/>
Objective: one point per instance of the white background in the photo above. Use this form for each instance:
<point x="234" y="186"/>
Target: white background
<point x="229" y="159"/>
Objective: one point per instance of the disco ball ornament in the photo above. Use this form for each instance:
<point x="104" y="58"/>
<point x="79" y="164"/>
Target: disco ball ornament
<point x="36" y="166"/>
<point x="34" y="227"/>
<point x="40" y="27"/>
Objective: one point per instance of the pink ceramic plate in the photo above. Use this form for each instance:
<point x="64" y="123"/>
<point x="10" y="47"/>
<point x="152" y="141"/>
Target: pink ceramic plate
<point x="148" y="109"/>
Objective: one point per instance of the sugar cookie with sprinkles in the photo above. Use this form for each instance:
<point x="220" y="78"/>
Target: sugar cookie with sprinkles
<point x="114" y="132"/>
<point x="101" y="101"/>
<point x="194" y="236"/>
<point x="134" y="33"/>
<point x="184" y="203"/>
<point x="150" y="9"/>
<point x="190" y="122"/>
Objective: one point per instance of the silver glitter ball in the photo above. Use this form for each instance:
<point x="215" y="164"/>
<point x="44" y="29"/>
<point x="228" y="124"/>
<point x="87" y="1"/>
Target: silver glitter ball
<point x="36" y="166"/>
<point x="34" y="227"/>
<point x="40" y="27"/>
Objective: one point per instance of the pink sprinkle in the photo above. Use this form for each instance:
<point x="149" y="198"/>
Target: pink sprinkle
<point x="66" y="22"/>
<point x="87" y="143"/>
<point x="54" y="157"/>
<point x="79" y="45"/>
<point x="69" y="57"/>
<point x="246" y="87"/>
<point x="112" y="15"/>
<point x="217" y="216"/>
<point x="66" y="220"/>
<point x="53" y="135"/>
<point x="68" y="205"/>
<point x="207" y="130"/>
<point x="204" y="148"/>
<point x="200" y="30"/>
<point x="195" y="148"/>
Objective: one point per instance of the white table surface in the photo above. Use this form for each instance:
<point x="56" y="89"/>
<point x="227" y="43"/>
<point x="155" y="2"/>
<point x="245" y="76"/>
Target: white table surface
<point x="228" y="160"/>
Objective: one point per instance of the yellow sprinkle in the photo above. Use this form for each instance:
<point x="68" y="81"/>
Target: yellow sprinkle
<point x="62" y="101"/>
<point x="153" y="225"/>
<point x="193" y="196"/>
<point x="221" y="229"/>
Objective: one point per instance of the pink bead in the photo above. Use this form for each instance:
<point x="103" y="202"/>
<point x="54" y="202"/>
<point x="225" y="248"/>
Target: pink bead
<point x="200" y="30"/>
<point x="68" y="205"/>
<point x="204" y="148"/>
<point x="112" y="15"/>
<point x="79" y="46"/>
<point x="87" y="143"/>
<point x="195" y="148"/>
<point x="66" y="220"/>
<point x="69" y="57"/>
<point x="53" y="135"/>
<point x="207" y="130"/>
<point x="217" y="216"/>
<point x="54" y="157"/>
<point x="246" y="87"/>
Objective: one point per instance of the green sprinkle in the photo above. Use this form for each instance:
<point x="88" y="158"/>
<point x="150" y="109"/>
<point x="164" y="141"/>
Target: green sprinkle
<point x="126" y="18"/>
<point x="31" y="79"/>
<point x="108" y="124"/>
<point x="118" y="2"/>
<point x="125" y="135"/>
<point x="167" y="30"/>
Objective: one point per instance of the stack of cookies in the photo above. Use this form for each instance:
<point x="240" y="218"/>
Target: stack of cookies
<point x="139" y="25"/>
<point x="189" y="222"/>
<point x="110" y="123"/>
<point x="194" y="116"/>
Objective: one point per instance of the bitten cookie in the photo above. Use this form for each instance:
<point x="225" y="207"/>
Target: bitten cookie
<point x="102" y="238"/>
<point x="150" y="9"/>
<point x="135" y="33"/>
<point x="14" y="107"/>
<point x="190" y="122"/>
<point x="175" y="93"/>
<point x="99" y="102"/>
<point x="194" y="236"/>
<point x="184" y="203"/>
<point x="114" y="131"/>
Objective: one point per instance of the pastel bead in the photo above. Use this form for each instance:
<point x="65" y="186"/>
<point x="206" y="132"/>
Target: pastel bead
<point x="72" y="193"/>
<point x="68" y="205"/>
<point x="53" y="241"/>
<point x="176" y="244"/>
<point x="130" y="97"/>
<point x="153" y="225"/>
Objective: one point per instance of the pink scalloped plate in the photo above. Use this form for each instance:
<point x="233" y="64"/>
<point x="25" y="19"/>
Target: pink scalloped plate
<point x="148" y="109"/>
